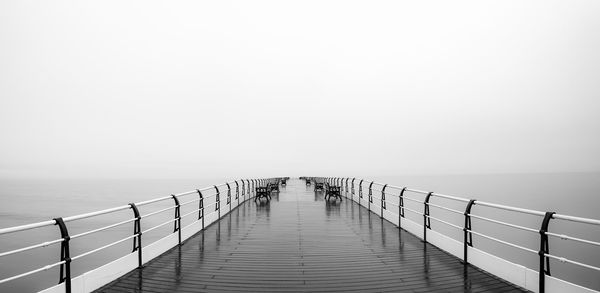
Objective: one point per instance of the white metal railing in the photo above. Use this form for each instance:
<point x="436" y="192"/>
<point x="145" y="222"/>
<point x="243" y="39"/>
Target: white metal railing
<point x="349" y="186"/>
<point x="244" y="189"/>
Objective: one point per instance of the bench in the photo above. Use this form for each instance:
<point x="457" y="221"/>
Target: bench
<point x="273" y="187"/>
<point x="262" y="192"/>
<point x="333" y="191"/>
<point x="319" y="186"/>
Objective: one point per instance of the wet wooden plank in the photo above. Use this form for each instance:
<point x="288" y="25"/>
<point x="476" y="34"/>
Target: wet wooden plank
<point x="298" y="243"/>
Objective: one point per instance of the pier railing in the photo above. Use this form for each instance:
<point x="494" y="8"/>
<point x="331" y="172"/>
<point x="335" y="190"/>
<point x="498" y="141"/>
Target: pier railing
<point x="392" y="203"/>
<point x="210" y="204"/>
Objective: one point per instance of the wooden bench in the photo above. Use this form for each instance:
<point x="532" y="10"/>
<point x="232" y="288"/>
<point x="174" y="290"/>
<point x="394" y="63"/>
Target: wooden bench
<point x="262" y="192"/>
<point x="333" y="191"/>
<point x="319" y="186"/>
<point x="273" y="187"/>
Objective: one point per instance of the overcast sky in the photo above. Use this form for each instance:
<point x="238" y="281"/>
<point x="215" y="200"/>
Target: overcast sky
<point x="168" y="89"/>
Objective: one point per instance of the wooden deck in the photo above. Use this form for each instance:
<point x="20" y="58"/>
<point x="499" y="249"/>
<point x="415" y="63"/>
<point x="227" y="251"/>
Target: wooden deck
<point x="300" y="243"/>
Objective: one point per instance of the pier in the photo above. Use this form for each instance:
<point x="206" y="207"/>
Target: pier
<point x="310" y="235"/>
<point x="298" y="242"/>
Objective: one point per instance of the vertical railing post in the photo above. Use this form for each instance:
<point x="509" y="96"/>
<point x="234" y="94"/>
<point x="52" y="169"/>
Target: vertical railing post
<point x="544" y="249"/>
<point x="426" y="220"/>
<point x="360" y="191"/>
<point x="137" y="230"/>
<point x="383" y="200"/>
<point x="370" y="195"/>
<point x="401" y="207"/>
<point x="218" y="202"/>
<point x="201" y="207"/>
<point x="249" y="190"/>
<point x="229" y="196"/>
<point x="346" y="189"/>
<point x="352" y="190"/>
<point x="468" y="236"/>
<point x="65" y="255"/>
<point x="243" y="190"/>
<point x="177" y="227"/>
<point x="237" y="192"/>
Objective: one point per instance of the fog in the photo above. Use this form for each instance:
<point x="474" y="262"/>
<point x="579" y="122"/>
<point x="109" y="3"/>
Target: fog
<point x="187" y="89"/>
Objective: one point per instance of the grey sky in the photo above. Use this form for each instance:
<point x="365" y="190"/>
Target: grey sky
<point x="267" y="88"/>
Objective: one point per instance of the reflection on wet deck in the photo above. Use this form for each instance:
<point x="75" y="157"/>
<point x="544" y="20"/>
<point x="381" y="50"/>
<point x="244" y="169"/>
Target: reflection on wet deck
<point x="297" y="243"/>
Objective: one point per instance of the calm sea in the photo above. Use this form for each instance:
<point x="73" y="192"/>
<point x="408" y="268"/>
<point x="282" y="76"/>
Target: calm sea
<point x="28" y="201"/>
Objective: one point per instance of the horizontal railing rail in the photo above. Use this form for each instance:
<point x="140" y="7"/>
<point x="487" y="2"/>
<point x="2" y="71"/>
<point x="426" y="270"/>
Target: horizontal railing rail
<point x="242" y="189"/>
<point x="385" y="191"/>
